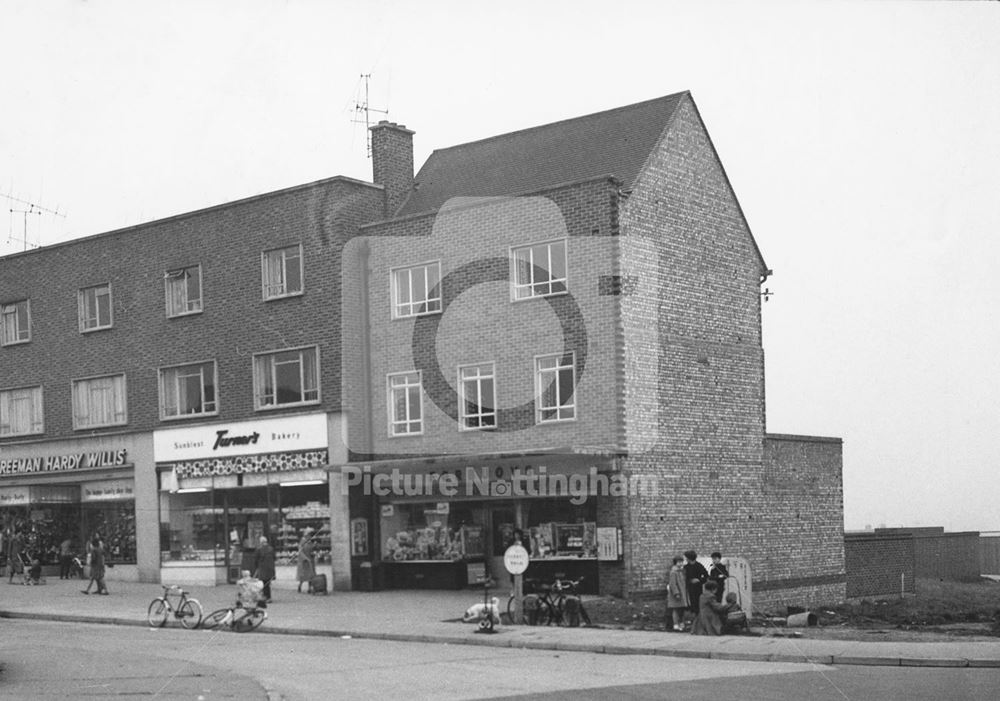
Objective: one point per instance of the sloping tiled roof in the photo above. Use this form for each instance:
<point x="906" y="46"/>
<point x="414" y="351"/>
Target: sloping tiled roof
<point x="614" y="142"/>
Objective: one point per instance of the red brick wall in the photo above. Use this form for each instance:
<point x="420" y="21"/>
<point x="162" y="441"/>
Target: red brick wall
<point x="227" y="242"/>
<point x="484" y="325"/>
<point x="879" y="565"/>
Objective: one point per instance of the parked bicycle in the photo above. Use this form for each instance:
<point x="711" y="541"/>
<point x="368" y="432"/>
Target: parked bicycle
<point x="188" y="610"/>
<point x="556" y="603"/>
<point x="246" y="614"/>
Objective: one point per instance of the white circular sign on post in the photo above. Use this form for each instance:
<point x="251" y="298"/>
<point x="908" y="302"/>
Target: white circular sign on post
<point x="516" y="559"/>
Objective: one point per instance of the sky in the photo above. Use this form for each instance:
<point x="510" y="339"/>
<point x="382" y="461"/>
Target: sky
<point x="861" y="138"/>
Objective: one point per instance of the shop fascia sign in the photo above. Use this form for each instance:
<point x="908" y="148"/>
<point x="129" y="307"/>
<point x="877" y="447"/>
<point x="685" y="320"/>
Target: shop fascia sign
<point x="277" y="435"/>
<point x="62" y="463"/>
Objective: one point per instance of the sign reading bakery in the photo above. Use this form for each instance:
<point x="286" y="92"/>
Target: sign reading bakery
<point x="223" y="440"/>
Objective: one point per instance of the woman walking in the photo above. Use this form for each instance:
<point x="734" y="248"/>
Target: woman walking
<point x="96" y="568"/>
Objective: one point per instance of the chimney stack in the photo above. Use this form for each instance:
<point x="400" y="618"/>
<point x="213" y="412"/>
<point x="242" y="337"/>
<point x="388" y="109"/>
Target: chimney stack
<point x="392" y="163"/>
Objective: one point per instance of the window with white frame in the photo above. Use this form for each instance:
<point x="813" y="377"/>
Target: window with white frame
<point x="555" y="384"/>
<point x="405" y="404"/>
<point x="183" y="290"/>
<point x="188" y="390"/>
<point x="99" y="401"/>
<point x="477" y="396"/>
<point x="21" y="411"/>
<point x="286" y="378"/>
<point x="15" y="323"/>
<point x="539" y="269"/>
<point x="281" y="272"/>
<point x="416" y="290"/>
<point x="95" y="308"/>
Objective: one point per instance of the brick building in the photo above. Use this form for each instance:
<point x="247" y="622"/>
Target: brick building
<point x="577" y="299"/>
<point x="552" y="335"/>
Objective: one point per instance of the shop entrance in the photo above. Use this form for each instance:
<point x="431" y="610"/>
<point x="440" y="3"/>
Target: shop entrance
<point x="247" y="517"/>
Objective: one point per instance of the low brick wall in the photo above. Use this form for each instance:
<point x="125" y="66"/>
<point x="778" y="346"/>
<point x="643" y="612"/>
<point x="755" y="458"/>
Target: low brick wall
<point x="989" y="554"/>
<point x="879" y="564"/>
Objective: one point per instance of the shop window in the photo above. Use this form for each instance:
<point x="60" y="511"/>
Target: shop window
<point x="555" y="385"/>
<point x="286" y="378"/>
<point x="183" y="290"/>
<point x="188" y="390"/>
<point x="21" y="411"/>
<point x="191" y="528"/>
<point x="432" y="531"/>
<point x="477" y="396"/>
<point x="115" y="524"/>
<point x="15" y="323"/>
<point x="281" y="272"/>
<point x="557" y="528"/>
<point x="539" y="270"/>
<point x="99" y="401"/>
<point x="95" y="308"/>
<point x="305" y="517"/>
<point x="416" y="290"/>
<point x="405" y="404"/>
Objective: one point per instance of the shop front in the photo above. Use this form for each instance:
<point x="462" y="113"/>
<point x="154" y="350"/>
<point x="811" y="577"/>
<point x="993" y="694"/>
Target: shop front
<point x="58" y="495"/>
<point x="445" y="524"/>
<point x="223" y="487"/>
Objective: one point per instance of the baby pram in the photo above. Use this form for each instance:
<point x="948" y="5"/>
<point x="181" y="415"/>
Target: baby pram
<point x="31" y="568"/>
<point x="250" y="593"/>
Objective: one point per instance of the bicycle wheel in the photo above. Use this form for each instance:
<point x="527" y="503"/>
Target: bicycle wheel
<point x="544" y="615"/>
<point x="157" y="614"/>
<point x="213" y="619"/>
<point x="190" y="613"/>
<point x="250" y="620"/>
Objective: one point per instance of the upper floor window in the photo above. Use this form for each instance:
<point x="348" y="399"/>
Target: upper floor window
<point x="21" y="411"/>
<point x="188" y="390"/>
<point x="15" y="323"/>
<point x="555" y="385"/>
<point x="416" y="290"/>
<point x="95" y="308"/>
<point x="477" y="396"/>
<point x="281" y="272"/>
<point x="99" y="401"/>
<point x="286" y="378"/>
<point x="539" y="269"/>
<point x="405" y="404"/>
<point x="183" y="290"/>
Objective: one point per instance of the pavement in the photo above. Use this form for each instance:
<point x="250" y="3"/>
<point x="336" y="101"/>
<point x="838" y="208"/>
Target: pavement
<point x="435" y="617"/>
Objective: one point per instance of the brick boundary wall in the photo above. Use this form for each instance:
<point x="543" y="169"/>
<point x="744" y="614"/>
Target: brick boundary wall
<point x="940" y="555"/>
<point x="879" y="564"/>
<point x="989" y="554"/>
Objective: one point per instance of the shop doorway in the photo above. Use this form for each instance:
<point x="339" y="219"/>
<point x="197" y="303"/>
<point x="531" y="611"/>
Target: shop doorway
<point x="247" y="517"/>
<point x="501" y="536"/>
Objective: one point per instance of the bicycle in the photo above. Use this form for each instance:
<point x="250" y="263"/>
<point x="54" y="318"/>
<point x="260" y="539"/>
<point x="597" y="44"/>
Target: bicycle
<point x="551" y="604"/>
<point x="188" y="610"/>
<point x="246" y="614"/>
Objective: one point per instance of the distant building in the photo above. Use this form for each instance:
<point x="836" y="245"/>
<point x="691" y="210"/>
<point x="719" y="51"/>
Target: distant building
<point x="553" y="334"/>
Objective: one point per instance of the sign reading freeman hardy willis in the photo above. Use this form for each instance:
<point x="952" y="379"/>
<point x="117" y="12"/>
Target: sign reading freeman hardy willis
<point x="62" y="463"/>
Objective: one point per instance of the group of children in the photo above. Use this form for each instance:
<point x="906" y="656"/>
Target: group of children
<point x="694" y="596"/>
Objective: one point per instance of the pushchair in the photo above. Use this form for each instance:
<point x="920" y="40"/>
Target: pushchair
<point x="250" y="593"/>
<point x="31" y="568"/>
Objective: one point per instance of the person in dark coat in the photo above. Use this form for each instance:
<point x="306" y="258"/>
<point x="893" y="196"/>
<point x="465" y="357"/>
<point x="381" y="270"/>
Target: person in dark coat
<point x="96" y="568"/>
<point x="718" y="573"/>
<point x="264" y="566"/>
<point x="712" y="614"/>
<point x="696" y="576"/>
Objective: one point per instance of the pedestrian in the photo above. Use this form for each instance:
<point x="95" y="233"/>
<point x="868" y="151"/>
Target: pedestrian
<point x="65" y="557"/>
<point x="718" y="573"/>
<point x="696" y="576"/>
<point x="14" y="564"/>
<point x="677" y="594"/>
<point x="96" y="568"/>
<point x="306" y="568"/>
<point x="711" y="613"/>
<point x="264" y="566"/>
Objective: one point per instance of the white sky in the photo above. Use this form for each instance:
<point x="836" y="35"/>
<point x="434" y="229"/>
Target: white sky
<point x="862" y="140"/>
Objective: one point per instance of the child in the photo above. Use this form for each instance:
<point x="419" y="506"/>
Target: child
<point x="718" y="573"/>
<point x="677" y="594"/>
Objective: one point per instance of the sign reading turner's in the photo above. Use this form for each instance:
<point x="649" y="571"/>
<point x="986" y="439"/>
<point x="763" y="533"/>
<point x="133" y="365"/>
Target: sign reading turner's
<point x="256" y="437"/>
